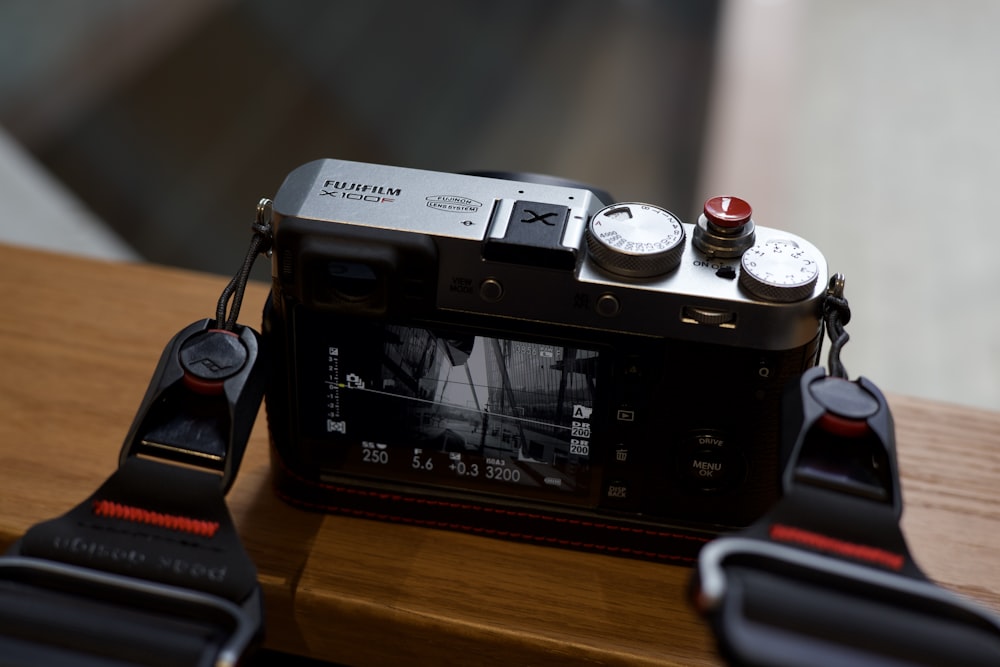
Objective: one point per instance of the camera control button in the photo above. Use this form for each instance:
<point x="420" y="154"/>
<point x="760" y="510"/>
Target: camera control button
<point x="779" y="271"/>
<point x="729" y="212"/>
<point x="491" y="290"/>
<point x="635" y="240"/>
<point x="625" y="414"/>
<point x="710" y="463"/>
<point x="709" y="316"/>
<point x="725" y="229"/>
<point x="618" y="489"/>
<point x="608" y="305"/>
<point x="620" y="494"/>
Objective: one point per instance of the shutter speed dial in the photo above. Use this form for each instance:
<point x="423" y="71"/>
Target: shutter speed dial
<point x="779" y="271"/>
<point x="635" y="240"/>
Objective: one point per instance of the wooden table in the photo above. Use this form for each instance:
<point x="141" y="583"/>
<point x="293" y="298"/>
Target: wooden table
<point x="79" y="340"/>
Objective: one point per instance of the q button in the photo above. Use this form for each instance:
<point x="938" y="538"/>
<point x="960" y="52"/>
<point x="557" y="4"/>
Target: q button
<point x="763" y="369"/>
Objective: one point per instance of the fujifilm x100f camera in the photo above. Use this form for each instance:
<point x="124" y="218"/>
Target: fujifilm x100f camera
<point x="526" y="360"/>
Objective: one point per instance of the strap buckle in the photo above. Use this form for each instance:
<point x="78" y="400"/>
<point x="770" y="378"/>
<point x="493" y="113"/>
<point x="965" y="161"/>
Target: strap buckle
<point x="202" y="401"/>
<point x="49" y="610"/>
<point x="772" y="606"/>
<point x="150" y="569"/>
<point x="826" y="577"/>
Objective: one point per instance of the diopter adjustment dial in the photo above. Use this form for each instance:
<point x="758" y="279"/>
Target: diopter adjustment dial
<point x="779" y="271"/>
<point x="635" y="240"/>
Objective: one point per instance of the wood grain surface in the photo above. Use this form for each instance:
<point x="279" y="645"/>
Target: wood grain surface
<point x="79" y="340"/>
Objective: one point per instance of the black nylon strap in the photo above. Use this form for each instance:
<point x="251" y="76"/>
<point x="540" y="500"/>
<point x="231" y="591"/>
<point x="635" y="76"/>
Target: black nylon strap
<point x="146" y="584"/>
<point x="53" y="614"/>
<point x="162" y="542"/>
<point x="150" y="570"/>
<point x="826" y="577"/>
<point x="771" y="605"/>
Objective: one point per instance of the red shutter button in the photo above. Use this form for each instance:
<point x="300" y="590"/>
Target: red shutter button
<point x="725" y="230"/>
<point x="728" y="212"/>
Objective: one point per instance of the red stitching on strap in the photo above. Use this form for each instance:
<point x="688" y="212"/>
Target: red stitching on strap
<point x="113" y="510"/>
<point x="820" y="542"/>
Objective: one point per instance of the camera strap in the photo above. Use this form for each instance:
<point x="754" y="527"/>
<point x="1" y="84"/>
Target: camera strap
<point x="826" y="577"/>
<point x="150" y="570"/>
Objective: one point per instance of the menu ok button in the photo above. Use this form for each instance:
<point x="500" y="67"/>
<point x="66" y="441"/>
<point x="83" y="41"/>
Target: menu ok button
<point x="711" y="463"/>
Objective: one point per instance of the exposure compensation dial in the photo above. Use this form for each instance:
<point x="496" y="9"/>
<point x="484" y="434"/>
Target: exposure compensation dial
<point x="779" y="271"/>
<point x="635" y="240"/>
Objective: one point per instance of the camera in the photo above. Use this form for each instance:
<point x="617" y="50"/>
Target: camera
<point x="526" y="359"/>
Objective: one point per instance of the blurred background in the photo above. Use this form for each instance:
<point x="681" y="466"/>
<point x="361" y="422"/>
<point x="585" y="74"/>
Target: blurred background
<point x="146" y="130"/>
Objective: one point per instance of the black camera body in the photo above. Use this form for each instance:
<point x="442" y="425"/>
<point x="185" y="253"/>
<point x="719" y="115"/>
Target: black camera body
<point x="525" y="360"/>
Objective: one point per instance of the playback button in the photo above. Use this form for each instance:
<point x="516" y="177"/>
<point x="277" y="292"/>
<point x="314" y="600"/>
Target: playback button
<point x="625" y="415"/>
